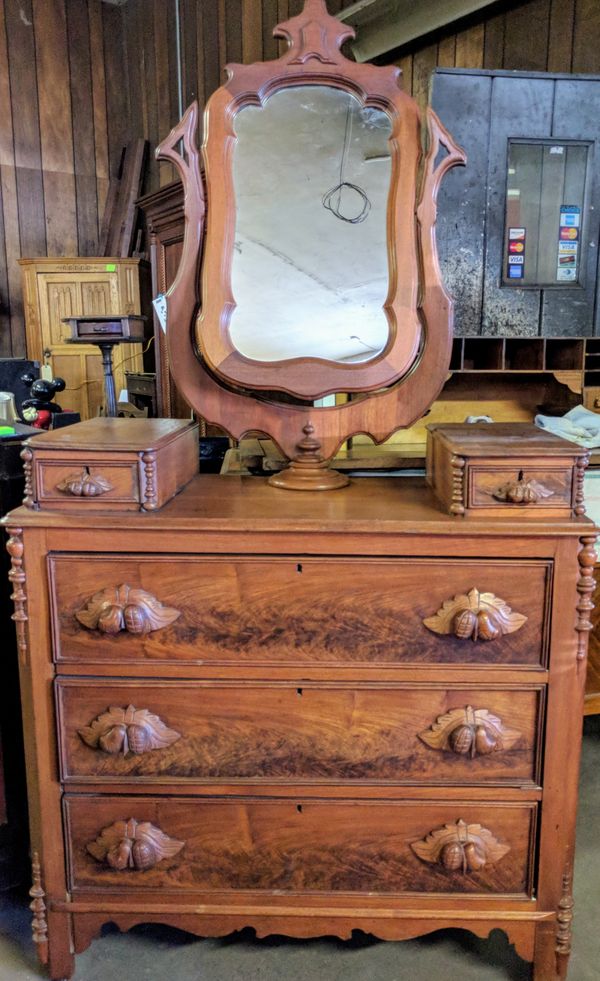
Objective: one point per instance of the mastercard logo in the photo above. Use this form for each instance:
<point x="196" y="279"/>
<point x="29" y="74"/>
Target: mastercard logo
<point x="516" y="246"/>
<point x="569" y="233"/>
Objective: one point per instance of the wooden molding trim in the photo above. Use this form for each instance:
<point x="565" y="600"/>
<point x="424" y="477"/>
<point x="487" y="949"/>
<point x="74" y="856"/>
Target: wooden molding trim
<point x="585" y="587"/>
<point x="39" y="924"/>
<point x="26" y="455"/>
<point x="564" y="923"/>
<point x="18" y="579"/>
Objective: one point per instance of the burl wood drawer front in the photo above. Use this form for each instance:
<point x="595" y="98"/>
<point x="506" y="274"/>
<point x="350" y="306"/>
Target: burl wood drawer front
<point x="186" y="731"/>
<point x="122" y="843"/>
<point x="91" y="485"/>
<point x="500" y="487"/>
<point x="296" y="610"/>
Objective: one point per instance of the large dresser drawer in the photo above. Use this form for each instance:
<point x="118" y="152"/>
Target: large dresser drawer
<point x="299" y="610"/>
<point x="125" y="843"/>
<point x="124" y="731"/>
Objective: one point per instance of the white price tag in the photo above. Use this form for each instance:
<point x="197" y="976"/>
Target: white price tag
<point x="160" y="307"/>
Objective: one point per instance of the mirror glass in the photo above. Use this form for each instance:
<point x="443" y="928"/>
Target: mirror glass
<point x="311" y="172"/>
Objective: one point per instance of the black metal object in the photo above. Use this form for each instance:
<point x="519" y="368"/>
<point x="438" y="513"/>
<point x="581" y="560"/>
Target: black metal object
<point x="106" y="348"/>
<point x="12" y="371"/>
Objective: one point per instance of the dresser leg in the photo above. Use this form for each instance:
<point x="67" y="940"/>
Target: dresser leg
<point x="61" y="961"/>
<point x="551" y="958"/>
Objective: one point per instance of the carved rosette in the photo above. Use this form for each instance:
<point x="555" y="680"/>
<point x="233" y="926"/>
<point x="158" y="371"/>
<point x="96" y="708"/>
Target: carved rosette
<point x="17" y="577"/>
<point x="585" y="588"/>
<point x="469" y="732"/>
<point x="134" y="845"/>
<point x="520" y="490"/>
<point x="83" y="484"/>
<point x="39" y="924"/>
<point x="475" y="616"/>
<point x="128" y="730"/>
<point x="127" y="608"/>
<point x="460" y="847"/>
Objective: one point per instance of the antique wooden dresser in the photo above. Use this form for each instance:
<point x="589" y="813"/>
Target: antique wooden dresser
<point x="240" y="712"/>
<point x="306" y="704"/>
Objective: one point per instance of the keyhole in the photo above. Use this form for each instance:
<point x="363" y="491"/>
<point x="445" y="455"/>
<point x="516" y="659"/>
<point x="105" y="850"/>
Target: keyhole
<point x="299" y="567"/>
<point x="299" y="808"/>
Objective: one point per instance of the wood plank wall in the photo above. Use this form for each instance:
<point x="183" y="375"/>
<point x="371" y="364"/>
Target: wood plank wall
<point x="533" y="35"/>
<point x="63" y="118"/>
<point x="78" y="78"/>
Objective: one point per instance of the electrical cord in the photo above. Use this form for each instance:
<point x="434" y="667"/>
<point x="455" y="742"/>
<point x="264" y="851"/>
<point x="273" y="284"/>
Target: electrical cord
<point x="332" y="199"/>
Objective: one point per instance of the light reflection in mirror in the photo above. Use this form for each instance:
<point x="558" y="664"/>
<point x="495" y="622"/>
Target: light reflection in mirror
<point x="307" y="281"/>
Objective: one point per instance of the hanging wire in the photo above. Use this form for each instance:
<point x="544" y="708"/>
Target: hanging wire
<point x="332" y="200"/>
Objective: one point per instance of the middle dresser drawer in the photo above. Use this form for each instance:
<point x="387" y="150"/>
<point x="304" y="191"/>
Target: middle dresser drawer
<point x="114" y="732"/>
<point x="236" y="610"/>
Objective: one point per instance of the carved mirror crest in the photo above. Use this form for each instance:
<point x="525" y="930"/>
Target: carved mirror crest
<point x="318" y="269"/>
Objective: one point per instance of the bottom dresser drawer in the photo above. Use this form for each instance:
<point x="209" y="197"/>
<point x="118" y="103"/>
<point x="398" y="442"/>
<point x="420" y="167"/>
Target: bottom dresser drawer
<point x="308" y="846"/>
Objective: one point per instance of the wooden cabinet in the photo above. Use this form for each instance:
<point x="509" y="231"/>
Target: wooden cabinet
<point x="57" y="288"/>
<point x="254" y="709"/>
<point x="165" y="225"/>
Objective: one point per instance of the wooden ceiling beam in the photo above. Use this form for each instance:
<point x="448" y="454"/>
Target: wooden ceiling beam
<point x="384" y="25"/>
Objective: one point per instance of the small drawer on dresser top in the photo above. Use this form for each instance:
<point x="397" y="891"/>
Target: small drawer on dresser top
<point x="121" y="731"/>
<point x="298" y="610"/>
<point x="111" y="464"/>
<point x="185" y="844"/>
<point x="99" y="483"/>
<point x="500" y="487"/>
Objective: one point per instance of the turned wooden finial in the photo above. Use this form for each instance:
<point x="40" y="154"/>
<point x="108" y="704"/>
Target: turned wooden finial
<point x="308" y="470"/>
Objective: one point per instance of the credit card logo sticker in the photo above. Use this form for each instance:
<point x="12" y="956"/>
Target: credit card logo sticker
<point x="570" y="216"/>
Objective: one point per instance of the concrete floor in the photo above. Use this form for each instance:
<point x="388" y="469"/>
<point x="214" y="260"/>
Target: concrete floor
<point x="157" y="953"/>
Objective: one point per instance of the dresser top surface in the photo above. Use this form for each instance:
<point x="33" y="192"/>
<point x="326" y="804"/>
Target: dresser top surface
<point x="499" y="439"/>
<point x="404" y="505"/>
<point x="108" y="435"/>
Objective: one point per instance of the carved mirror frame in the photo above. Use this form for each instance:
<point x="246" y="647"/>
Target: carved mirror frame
<point x="399" y="384"/>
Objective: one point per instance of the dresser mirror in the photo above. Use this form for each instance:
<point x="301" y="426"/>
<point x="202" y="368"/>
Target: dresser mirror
<point x="311" y="177"/>
<point x="316" y="269"/>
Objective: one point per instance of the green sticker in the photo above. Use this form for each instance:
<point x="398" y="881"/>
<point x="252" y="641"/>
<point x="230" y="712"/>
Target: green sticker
<point x="111" y="267"/>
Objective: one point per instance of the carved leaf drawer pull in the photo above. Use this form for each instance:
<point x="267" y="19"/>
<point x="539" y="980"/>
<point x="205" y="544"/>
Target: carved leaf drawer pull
<point x="84" y="485"/>
<point x="132" y="844"/>
<point x="126" y="608"/>
<point x="521" y="491"/>
<point x="460" y="847"/>
<point x="128" y="730"/>
<point x="469" y="732"/>
<point x="475" y="616"/>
